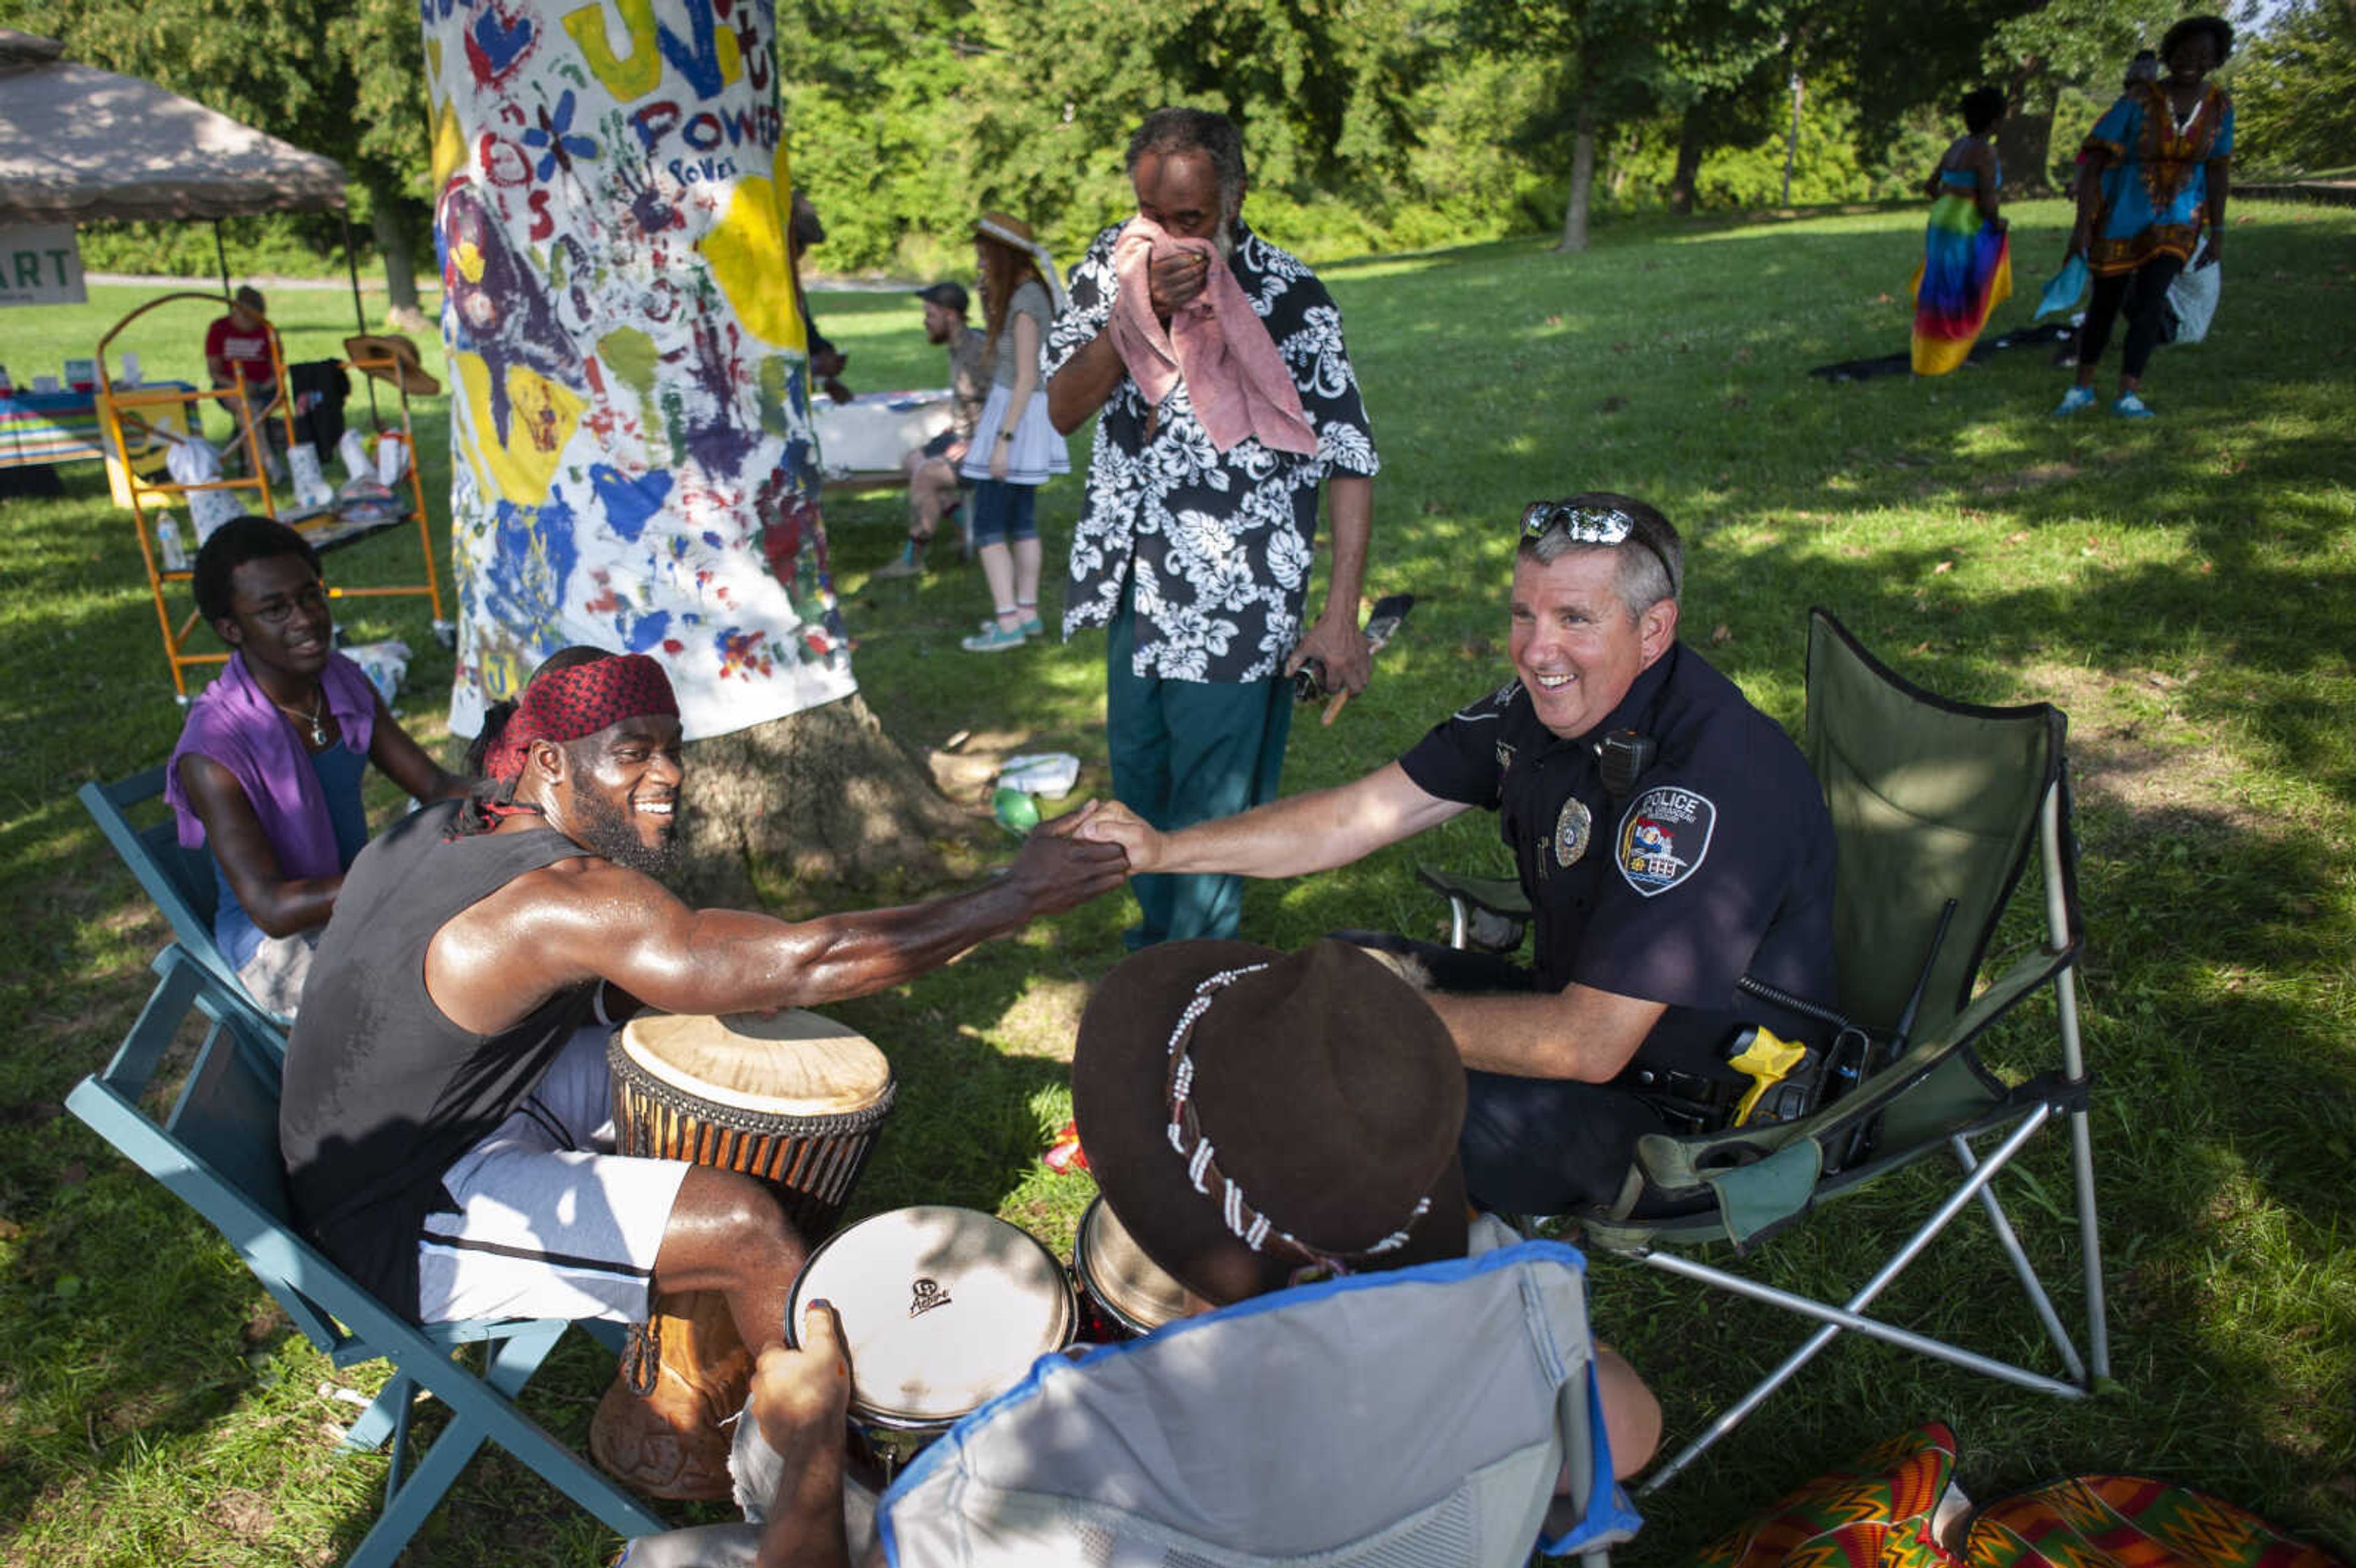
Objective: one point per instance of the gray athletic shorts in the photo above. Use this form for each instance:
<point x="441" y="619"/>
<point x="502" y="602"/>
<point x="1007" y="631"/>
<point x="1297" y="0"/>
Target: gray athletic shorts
<point x="550" y="1223"/>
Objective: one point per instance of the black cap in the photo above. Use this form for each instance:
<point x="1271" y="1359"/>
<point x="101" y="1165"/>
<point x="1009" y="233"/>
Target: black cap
<point x="946" y="294"/>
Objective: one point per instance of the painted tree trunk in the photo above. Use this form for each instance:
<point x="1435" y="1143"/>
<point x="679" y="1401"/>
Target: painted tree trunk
<point x="630" y="439"/>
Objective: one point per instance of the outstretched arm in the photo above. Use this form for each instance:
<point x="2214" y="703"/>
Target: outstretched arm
<point x="1289" y="838"/>
<point x="589" y="918"/>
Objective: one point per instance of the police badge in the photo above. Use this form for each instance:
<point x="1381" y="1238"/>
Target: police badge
<point x="1571" y="831"/>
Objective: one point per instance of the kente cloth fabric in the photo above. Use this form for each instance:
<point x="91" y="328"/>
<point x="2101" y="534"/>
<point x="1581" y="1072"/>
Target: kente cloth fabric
<point x="572" y="704"/>
<point x="1214" y="344"/>
<point x="1966" y="273"/>
<point x="233" y="722"/>
<point x="1219" y="543"/>
<point x="2125" y="1522"/>
<point x="2157" y="184"/>
<point x="1874" y="1512"/>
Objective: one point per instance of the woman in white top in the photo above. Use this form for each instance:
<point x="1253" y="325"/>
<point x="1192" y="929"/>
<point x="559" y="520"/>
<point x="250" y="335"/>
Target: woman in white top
<point x="1015" y="447"/>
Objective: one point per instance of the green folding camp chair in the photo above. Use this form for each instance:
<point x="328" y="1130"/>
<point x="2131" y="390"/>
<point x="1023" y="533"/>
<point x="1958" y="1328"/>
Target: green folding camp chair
<point x="217" y="1151"/>
<point x="181" y="882"/>
<point x="1936" y="808"/>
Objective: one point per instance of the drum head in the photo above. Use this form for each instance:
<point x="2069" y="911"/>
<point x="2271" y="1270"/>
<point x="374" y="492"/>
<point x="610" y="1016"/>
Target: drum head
<point x="1117" y="1272"/>
<point x="942" y="1308"/>
<point x="795" y="1064"/>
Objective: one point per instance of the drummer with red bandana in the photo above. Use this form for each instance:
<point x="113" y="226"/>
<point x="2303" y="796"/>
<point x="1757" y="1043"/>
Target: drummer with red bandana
<point x="446" y="1121"/>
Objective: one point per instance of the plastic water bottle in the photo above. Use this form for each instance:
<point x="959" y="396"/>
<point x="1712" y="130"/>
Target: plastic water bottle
<point x="1016" y="810"/>
<point x="169" y="545"/>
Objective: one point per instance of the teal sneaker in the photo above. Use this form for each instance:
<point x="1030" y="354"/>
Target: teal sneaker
<point x="2077" y="401"/>
<point x="1031" y="625"/>
<point x="997" y="639"/>
<point x="2130" y="407"/>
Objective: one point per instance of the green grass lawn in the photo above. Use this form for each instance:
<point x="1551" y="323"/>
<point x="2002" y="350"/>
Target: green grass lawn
<point x="2181" y="588"/>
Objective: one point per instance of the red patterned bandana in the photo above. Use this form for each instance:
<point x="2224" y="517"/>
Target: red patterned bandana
<point x="572" y="704"/>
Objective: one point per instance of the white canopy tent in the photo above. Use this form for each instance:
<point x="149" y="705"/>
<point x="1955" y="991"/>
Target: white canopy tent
<point x="79" y="145"/>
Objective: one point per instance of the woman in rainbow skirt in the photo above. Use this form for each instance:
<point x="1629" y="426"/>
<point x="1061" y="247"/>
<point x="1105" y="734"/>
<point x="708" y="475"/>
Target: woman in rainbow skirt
<point x="1966" y="268"/>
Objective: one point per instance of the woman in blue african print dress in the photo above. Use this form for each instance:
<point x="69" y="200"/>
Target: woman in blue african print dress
<point x="2156" y="172"/>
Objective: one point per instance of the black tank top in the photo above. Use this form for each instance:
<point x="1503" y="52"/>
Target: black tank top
<point x="382" y="1093"/>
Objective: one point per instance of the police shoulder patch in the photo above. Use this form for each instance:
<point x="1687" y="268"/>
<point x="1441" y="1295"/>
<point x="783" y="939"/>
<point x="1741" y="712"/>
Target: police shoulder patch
<point x="1663" y="837"/>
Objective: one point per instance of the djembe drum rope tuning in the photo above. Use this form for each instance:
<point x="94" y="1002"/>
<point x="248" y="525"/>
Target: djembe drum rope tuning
<point x="793" y="1100"/>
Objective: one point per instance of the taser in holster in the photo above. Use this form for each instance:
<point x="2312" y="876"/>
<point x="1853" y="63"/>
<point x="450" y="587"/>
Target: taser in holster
<point x="1783" y="1073"/>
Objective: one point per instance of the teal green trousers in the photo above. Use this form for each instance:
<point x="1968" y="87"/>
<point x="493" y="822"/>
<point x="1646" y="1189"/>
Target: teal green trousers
<point x="1185" y="751"/>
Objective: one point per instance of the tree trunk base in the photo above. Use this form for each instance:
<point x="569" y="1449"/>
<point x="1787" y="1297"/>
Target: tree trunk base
<point x="823" y="795"/>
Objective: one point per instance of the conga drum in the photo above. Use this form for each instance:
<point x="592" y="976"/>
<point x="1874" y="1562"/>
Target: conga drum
<point x="793" y="1100"/>
<point x="942" y="1309"/>
<point x="1125" y="1293"/>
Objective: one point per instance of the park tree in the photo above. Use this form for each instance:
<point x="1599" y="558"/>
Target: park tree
<point x="2295" y="91"/>
<point x="2064" y="44"/>
<point x="338" y="77"/>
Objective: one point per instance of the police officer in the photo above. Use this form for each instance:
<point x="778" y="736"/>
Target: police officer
<point x="1671" y="840"/>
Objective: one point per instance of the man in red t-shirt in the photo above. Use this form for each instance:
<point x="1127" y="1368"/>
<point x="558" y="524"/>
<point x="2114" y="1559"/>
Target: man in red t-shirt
<point x="237" y="347"/>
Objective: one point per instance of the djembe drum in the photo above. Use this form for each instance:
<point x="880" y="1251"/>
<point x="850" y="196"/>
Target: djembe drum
<point x="942" y="1309"/>
<point x="1125" y="1293"/>
<point x="795" y="1101"/>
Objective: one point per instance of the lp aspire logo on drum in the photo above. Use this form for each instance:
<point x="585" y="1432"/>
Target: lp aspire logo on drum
<point x="925" y="1296"/>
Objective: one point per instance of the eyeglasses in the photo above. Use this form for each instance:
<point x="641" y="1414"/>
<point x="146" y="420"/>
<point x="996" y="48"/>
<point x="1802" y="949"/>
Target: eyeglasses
<point x="278" y="609"/>
<point x="1593" y="525"/>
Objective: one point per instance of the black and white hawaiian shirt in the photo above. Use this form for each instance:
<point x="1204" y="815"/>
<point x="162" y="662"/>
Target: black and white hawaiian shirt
<point x="1219" y="546"/>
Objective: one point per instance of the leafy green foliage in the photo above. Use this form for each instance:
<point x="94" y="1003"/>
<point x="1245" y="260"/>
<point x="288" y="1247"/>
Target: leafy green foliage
<point x="2295" y="91"/>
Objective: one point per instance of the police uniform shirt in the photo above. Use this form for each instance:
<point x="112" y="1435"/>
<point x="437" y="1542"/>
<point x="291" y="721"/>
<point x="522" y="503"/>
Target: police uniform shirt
<point x="1718" y="861"/>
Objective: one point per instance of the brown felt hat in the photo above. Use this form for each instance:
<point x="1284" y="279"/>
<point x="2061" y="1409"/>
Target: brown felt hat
<point x="1331" y="1094"/>
<point x="389" y="357"/>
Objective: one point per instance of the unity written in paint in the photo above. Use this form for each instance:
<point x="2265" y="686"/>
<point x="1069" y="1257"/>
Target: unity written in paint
<point x="634" y="465"/>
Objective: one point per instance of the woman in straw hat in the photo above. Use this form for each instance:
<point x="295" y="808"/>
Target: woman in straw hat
<point x="1015" y="447"/>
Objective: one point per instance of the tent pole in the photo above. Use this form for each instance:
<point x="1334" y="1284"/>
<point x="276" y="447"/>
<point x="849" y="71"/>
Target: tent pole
<point x="352" y="265"/>
<point x="220" y="254"/>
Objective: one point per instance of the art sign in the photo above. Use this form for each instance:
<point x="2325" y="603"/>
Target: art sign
<point x="41" y="265"/>
<point x="632" y="458"/>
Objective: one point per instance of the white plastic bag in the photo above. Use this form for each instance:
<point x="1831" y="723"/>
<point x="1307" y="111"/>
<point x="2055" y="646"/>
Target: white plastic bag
<point x="385" y="664"/>
<point x="193" y="462"/>
<point x="391" y="459"/>
<point x="311" y="486"/>
<point x="2193" y="297"/>
<point x="354" y="451"/>
<point x="1050" y="774"/>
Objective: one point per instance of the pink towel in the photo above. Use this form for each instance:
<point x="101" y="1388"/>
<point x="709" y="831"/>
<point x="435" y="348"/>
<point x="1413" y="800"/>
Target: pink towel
<point x="1216" y="342"/>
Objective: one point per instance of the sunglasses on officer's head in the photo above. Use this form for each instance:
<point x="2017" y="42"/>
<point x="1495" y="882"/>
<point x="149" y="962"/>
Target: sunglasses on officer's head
<point x="1591" y="525"/>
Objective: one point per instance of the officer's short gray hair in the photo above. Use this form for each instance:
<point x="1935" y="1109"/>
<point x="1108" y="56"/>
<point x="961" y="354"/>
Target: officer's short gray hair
<point x="1652" y="558"/>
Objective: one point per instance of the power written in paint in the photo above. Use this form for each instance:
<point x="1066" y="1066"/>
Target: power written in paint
<point x="1663" y="837"/>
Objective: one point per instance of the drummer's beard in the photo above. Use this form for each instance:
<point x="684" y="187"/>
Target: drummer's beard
<point x="603" y="829"/>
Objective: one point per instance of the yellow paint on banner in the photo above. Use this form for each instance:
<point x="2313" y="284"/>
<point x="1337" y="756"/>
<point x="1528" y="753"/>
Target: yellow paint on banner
<point x="449" y="144"/>
<point x="541" y="417"/>
<point x="747" y="251"/>
<point x="627" y="76"/>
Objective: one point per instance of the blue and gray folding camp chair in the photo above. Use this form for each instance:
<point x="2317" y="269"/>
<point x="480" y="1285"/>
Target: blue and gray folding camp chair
<point x="1423" y="1417"/>
<point x="1936" y="808"/>
<point x="217" y="1151"/>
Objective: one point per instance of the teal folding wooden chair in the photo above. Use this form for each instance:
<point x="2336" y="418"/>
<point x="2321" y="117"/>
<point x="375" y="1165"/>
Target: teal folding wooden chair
<point x="181" y="882"/>
<point x="217" y="1151"/>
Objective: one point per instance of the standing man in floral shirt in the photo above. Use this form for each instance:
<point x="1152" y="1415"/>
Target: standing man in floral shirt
<point x="1227" y="401"/>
